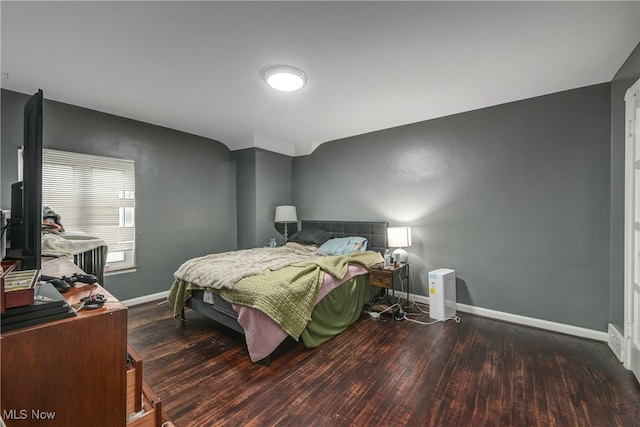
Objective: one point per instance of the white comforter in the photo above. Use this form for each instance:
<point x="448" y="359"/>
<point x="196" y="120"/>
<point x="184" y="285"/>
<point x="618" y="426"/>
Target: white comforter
<point x="224" y="270"/>
<point x="68" y="244"/>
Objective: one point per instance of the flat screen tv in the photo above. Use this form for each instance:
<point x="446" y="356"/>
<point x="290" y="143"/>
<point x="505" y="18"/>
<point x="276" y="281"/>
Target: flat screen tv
<point x="26" y="196"/>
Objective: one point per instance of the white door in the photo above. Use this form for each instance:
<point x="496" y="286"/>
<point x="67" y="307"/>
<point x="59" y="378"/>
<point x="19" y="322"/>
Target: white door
<point x="632" y="230"/>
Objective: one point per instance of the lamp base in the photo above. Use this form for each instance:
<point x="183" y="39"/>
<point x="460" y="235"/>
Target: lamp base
<point x="400" y="256"/>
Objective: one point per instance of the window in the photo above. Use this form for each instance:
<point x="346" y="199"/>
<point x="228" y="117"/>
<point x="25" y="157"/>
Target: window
<point x="95" y="195"/>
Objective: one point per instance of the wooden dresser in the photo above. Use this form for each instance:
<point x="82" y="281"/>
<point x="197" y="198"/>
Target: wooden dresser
<point x="77" y="371"/>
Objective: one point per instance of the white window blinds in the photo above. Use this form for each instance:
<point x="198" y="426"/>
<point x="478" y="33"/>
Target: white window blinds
<point x="95" y="195"/>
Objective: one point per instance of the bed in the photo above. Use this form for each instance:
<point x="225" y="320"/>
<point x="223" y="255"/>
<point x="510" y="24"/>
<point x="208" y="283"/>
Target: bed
<point x="303" y="294"/>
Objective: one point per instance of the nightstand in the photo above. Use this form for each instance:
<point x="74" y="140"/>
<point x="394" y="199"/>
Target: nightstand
<point x="390" y="278"/>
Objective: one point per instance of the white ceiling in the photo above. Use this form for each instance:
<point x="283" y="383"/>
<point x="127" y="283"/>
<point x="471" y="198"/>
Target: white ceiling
<point x="194" y="66"/>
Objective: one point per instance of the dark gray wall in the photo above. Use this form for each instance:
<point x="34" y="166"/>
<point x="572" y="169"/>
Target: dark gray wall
<point x="246" y="197"/>
<point x="273" y="181"/>
<point x="185" y="185"/>
<point x="263" y="182"/>
<point x="515" y="198"/>
<point x="628" y="74"/>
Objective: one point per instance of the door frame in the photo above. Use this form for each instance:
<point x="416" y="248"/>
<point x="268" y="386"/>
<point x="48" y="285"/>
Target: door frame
<point x="631" y="133"/>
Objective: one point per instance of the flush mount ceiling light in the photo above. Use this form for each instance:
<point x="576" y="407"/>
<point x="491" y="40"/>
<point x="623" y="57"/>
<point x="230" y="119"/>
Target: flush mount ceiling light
<point x="284" y="78"/>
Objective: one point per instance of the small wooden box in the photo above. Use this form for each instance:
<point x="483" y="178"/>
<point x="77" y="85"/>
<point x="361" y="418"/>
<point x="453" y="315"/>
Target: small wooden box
<point x="134" y="381"/>
<point x="17" y="286"/>
<point x="7" y="267"/>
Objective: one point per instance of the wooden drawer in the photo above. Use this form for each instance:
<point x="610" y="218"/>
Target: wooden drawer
<point x="380" y="278"/>
<point x="152" y="416"/>
<point x="134" y="381"/>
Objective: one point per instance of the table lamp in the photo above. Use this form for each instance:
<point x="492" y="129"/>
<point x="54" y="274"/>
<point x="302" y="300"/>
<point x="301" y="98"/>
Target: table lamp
<point x="286" y="215"/>
<point x="399" y="237"/>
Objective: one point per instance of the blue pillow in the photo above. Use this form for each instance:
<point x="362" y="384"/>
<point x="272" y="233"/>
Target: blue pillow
<point x="343" y="245"/>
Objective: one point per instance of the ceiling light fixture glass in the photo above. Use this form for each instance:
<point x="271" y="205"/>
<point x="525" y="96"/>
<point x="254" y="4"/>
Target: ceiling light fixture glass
<point x="284" y="78"/>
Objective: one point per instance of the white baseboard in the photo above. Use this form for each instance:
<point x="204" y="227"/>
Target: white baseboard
<point x="615" y="342"/>
<point x="521" y="320"/>
<point x="145" y="298"/>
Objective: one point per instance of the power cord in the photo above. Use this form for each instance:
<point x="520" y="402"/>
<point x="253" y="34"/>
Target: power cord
<point x="422" y="308"/>
<point x="456" y="318"/>
<point x="376" y="314"/>
<point x="7" y="225"/>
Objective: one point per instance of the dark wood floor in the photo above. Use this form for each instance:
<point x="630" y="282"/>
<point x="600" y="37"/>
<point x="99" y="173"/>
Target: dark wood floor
<point x="479" y="372"/>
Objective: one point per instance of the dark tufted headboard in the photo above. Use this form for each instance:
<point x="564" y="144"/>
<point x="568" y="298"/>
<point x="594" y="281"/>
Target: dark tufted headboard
<point x="375" y="232"/>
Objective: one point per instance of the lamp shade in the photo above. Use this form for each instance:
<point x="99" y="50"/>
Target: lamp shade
<point x="399" y="237"/>
<point x="286" y="214"/>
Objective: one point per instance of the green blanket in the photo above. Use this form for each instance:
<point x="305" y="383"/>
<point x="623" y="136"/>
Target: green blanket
<point x="337" y="311"/>
<point x="287" y="295"/>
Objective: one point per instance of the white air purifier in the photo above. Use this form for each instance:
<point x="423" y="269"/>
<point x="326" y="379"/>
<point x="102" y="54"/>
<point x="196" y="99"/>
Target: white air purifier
<point x="442" y="294"/>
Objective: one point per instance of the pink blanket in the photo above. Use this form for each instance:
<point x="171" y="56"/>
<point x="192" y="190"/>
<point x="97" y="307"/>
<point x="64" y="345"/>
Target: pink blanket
<point x="263" y="335"/>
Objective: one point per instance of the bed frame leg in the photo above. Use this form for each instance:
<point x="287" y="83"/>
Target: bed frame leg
<point x="182" y="314"/>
